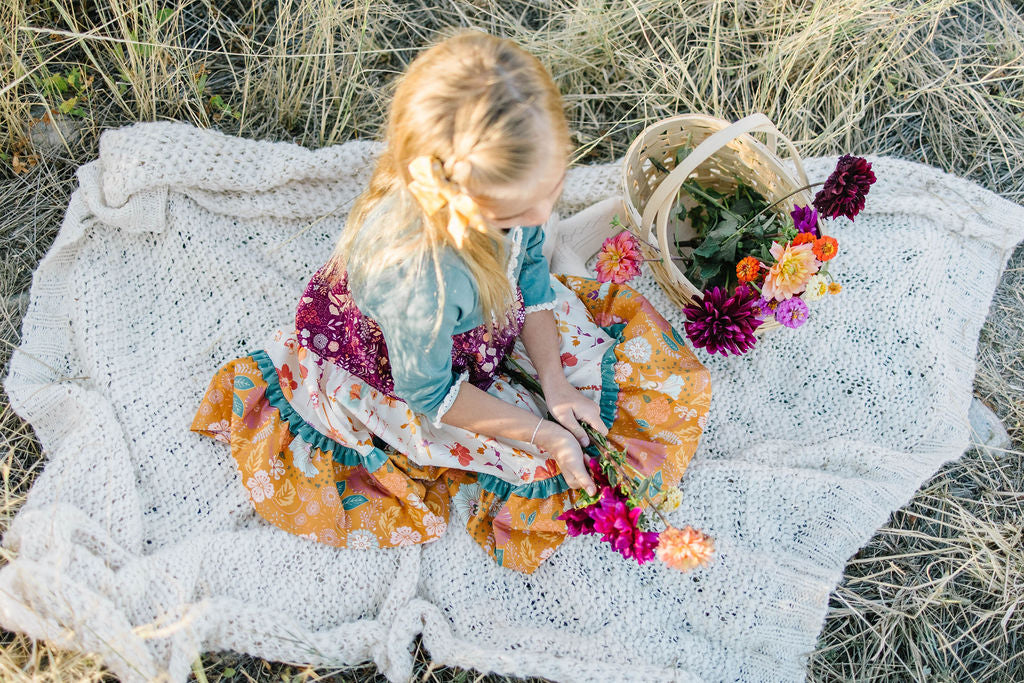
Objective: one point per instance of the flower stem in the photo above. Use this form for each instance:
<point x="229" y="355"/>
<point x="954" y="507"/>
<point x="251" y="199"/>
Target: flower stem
<point x="799" y="189"/>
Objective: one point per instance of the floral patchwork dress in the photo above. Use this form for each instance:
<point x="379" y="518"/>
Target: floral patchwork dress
<point x="334" y="425"/>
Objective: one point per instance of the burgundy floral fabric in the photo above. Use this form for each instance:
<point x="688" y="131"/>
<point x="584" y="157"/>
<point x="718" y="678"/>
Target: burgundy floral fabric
<point x="328" y="323"/>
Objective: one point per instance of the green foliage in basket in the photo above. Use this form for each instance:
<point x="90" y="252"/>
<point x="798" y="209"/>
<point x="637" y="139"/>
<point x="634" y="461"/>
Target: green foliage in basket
<point x="728" y="228"/>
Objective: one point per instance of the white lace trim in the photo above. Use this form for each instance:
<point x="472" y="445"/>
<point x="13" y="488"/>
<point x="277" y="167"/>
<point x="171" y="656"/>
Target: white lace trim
<point x="546" y="306"/>
<point x="449" y="398"/>
<point x="513" y="257"/>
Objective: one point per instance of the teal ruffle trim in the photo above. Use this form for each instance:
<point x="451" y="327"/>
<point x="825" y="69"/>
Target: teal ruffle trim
<point x="534" y="489"/>
<point x="609" y="389"/>
<point x="299" y="427"/>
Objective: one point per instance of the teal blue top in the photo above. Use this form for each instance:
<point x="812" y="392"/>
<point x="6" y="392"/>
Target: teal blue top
<point x="422" y="368"/>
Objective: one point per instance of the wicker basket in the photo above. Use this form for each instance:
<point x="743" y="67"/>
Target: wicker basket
<point x="722" y="150"/>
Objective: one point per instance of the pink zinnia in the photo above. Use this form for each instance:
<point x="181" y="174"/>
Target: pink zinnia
<point x="619" y="259"/>
<point x="794" y="266"/>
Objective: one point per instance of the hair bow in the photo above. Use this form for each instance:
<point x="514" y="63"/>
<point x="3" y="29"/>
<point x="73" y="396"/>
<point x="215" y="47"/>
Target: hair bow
<point x="433" y="190"/>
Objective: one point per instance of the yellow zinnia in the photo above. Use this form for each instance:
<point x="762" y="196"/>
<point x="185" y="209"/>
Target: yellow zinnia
<point x="793" y="267"/>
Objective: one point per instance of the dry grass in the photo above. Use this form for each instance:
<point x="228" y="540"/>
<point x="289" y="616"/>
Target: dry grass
<point x="937" y="594"/>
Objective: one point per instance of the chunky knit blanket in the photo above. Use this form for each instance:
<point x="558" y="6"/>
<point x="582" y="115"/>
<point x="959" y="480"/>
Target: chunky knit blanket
<point x="182" y="248"/>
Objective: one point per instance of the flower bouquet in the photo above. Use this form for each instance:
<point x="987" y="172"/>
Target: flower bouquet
<point x="617" y="511"/>
<point x="751" y="264"/>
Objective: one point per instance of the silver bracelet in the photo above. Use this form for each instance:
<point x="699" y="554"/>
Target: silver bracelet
<point x="535" y="431"/>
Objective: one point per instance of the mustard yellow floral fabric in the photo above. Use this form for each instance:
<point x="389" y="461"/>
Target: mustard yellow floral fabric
<point x="324" y="456"/>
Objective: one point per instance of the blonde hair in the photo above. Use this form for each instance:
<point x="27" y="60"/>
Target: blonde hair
<point x="474" y="98"/>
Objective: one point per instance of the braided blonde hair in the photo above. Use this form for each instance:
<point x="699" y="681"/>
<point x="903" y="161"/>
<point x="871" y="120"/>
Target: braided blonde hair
<point x="463" y="127"/>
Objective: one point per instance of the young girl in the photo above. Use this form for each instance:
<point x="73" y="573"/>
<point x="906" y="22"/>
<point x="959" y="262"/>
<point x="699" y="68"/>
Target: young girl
<point x="386" y="408"/>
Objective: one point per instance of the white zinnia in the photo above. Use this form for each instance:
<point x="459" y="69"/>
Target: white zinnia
<point x="816" y="288"/>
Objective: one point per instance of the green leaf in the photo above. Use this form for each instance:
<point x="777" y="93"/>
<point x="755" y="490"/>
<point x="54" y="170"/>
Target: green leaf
<point x="217" y="102"/>
<point x="67" y="105"/>
<point x="726" y="227"/>
<point x="55" y="84"/>
<point x="201" y="84"/>
<point x="163" y="15"/>
<point x="741" y="206"/>
<point x="709" y="270"/>
<point x="728" y="251"/>
<point x="681" y="153"/>
<point x="75" y="78"/>
<point x="709" y="247"/>
<point x="352" y="501"/>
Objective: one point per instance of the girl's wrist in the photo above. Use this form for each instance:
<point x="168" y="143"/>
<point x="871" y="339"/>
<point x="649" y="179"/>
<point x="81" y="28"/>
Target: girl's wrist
<point x="546" y="433"/>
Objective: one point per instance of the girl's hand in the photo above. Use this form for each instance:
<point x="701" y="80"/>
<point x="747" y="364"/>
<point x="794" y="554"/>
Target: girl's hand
<point x="567" y="454"/>
<point x="569" y="407"/>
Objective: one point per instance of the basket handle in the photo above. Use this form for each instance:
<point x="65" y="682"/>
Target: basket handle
<point x="754" y="122"/>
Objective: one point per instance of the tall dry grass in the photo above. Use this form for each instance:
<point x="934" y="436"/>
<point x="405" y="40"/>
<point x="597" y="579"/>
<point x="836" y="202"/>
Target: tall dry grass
<point x="936" y="595"/>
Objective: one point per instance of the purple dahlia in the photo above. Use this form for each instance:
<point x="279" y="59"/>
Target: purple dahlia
<point x="844" y="191"/>
<point x="721" y="323"/>
<point x="805" y="219"/>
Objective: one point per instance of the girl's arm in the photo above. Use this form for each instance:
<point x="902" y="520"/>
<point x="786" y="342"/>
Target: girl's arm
<point x="478" y="411"/>
<point x="564" y="401"/>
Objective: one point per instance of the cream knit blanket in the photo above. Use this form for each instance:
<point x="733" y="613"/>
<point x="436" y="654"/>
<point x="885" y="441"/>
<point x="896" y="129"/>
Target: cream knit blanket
<point x="182" y="248"/>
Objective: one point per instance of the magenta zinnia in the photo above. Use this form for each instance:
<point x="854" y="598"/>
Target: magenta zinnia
<point x="844" y="191"/>
<point x="721" y="323"/>
<point x="619" y="259"/>
<point x="617" y="524"/>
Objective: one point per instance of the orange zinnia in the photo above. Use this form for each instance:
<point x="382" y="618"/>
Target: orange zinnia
<point x="803" y="238"/>
<point x="685" y="548"/>
<point x="834" y="288"/>
<point x="748" y="269"/>
<point x="825" y="247"/>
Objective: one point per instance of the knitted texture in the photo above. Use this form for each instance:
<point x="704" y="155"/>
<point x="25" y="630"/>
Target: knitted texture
<point x="182" y="248"/>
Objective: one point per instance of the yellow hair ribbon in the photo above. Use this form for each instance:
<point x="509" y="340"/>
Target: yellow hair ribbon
<point x="433" y="190"/>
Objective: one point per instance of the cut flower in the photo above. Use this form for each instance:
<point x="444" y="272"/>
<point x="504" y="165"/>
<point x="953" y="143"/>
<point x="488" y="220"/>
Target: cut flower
<point x="721" y="323"/>
<point x="619" y="259"/>
<point x="685" y="548"/>
<point x="789" y="275"/>
<point x="844" y="191"/>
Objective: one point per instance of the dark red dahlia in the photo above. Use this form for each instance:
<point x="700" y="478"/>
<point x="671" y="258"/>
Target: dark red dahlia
<point x="844" y="191"/>
<point x="721" y="323"/>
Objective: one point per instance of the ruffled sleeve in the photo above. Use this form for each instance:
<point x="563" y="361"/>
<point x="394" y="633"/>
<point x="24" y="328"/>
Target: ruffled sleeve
<point x="421" y="367"/>
<point x="535" y="275"/>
